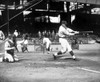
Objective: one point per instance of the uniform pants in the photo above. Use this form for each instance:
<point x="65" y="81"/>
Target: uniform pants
<point x="65" y="45"/>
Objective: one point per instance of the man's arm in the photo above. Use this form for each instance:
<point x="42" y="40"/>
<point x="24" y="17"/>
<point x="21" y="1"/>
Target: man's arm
<point x="7" y="46"/>
<point x="71" y="32"/>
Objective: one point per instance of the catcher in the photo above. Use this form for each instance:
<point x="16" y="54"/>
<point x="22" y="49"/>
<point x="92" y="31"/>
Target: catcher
<point x="9" y="55"/>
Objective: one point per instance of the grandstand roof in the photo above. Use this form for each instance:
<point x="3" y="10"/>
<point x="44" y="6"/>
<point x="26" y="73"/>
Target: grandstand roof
<point x="96" y="2"/>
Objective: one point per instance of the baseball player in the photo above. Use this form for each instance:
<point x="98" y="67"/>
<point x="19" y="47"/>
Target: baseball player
<point x="9" y="50"/>
<point x="63" y="32"/>
<point x="47" y="43"/>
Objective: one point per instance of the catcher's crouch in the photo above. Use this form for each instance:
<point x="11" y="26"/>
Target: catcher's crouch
<point x="9" y="55"/>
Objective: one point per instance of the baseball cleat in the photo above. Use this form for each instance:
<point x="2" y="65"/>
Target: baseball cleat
<point x="74" y="58"/>
<point x="1" y="59"/>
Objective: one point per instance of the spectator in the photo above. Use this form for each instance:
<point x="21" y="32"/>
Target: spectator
<point x="16" y="33"/>
<point x="39" y="35"/>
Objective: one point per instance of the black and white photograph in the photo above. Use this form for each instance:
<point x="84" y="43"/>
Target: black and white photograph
<point x="49" y="40"/>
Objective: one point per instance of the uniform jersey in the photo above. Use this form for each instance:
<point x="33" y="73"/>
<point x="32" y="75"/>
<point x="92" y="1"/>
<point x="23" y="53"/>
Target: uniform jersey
<point x="9" y="44"/>
<point x="65" y="46"/>
<point x="25" y="42"/>
<point x="46" y="40"/>
<point x="9" y="52"/>
<point x="64" y="31"/>
<point x="16" y="33"/>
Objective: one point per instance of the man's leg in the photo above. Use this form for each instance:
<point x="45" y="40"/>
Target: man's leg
<point x="22" y="49"/>
<point x="48" y="48"/>
<point x="16" y="58"/>
<point x="58" y="53"/>
<point x="70" y="50"/>
<point x="15" y="44"/>
<point x="63" y="50"/>
<point x="9" y="58"/>
<point x="27" y="49"/>
<point x="72" y="54"/>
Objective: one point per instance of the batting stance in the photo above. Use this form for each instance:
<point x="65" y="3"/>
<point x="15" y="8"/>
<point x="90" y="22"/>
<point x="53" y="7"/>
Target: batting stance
<point x="63" y="32"/>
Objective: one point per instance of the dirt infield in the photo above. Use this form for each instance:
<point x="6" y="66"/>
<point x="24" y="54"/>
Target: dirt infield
<point x="39" y="67"/>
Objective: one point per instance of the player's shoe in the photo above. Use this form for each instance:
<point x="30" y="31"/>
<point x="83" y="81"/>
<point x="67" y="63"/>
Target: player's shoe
<point x="54" y="57"/>
<point x="16" y="59"/>
<point x="74" y="58"/>
<point x="1" y="59"/>
<point x="48" y="52"/>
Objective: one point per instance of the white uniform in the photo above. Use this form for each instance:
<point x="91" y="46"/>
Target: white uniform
<point x="47" y="42"/>
<point x="25" y="42"/>
<point x="9" y="51"/>
<point x="24" y="45"/>
<point x="16" y="33"/>
<point x="63" y="32"/>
